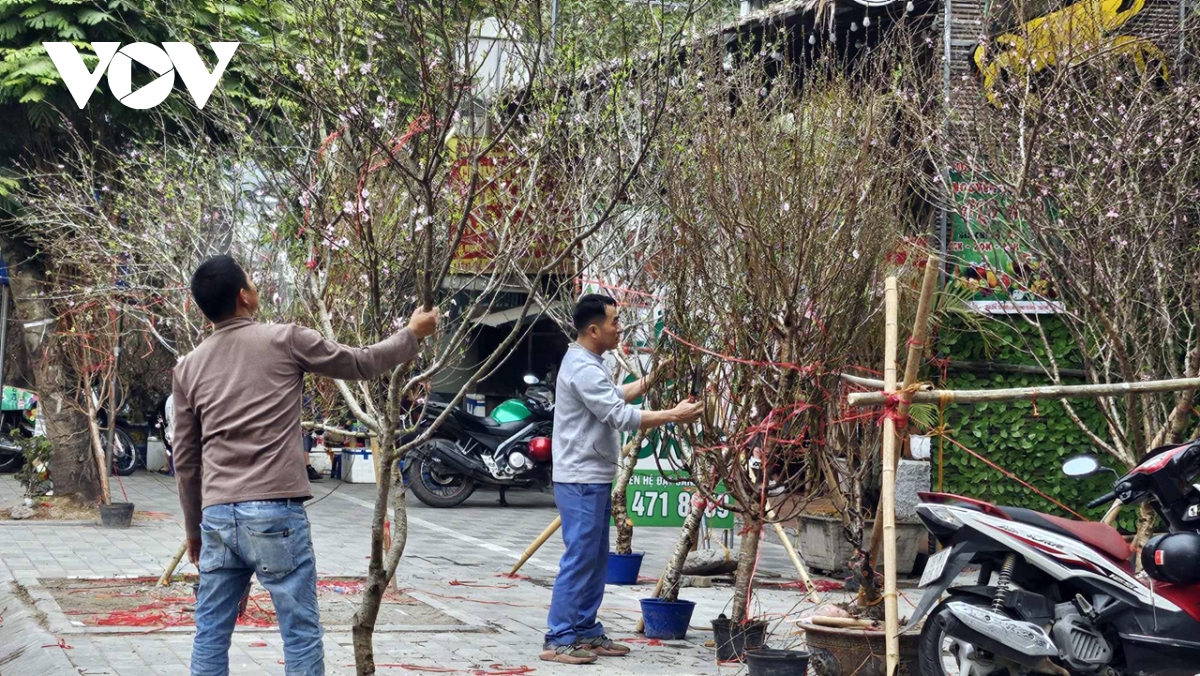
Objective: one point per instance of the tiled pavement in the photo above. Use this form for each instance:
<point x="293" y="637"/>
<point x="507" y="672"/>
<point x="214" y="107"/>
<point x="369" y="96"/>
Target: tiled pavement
<point x="472" y="543"/>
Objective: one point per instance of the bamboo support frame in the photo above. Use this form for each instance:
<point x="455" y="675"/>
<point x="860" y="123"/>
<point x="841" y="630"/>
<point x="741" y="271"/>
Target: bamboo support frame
<point x="1025" y="393"/>
<point x="912" y="366"/>
<point x="891" y="617"/>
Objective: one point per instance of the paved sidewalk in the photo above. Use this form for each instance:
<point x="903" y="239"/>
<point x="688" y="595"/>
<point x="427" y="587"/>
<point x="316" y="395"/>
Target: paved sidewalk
<point x="473" y="543"/>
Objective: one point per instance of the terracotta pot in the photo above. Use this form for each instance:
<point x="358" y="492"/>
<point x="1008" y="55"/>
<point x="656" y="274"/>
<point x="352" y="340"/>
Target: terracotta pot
<point x="842" y="652"/>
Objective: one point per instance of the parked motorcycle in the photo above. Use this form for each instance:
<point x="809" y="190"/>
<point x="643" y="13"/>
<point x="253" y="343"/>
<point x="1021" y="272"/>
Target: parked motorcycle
<point x="510" y="448"/>
<point x="1057" y="596"/>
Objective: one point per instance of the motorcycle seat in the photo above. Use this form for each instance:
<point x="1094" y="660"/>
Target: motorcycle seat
<point x="1100" y="536"/>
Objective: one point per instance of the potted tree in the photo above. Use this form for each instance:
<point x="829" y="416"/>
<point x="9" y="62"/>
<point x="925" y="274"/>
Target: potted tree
<point x="781" y="213"/>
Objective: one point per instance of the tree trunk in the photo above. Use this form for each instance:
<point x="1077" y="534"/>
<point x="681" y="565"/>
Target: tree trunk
<point x="1145" y="527"/>
<point x="71" y="465"/>
<point x="687" y="540"/>
<point x="869" y="601"/>
<point x="619" y="512"/>
<point x="103" y="460"/>
<point x="383" y="565"/>
<point x="747" y="560"/>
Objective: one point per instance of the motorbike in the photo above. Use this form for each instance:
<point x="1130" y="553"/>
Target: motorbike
<point x="18" y="420"/>
<point x="1058" y="596"/>
<point x="510" y="448"/>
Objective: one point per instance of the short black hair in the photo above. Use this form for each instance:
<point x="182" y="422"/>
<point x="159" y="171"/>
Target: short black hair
<point x="215" y="286"/>
<point x="589" y="309"/>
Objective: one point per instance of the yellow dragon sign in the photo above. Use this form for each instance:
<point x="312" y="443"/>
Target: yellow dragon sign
<point x="1069" y="36"/>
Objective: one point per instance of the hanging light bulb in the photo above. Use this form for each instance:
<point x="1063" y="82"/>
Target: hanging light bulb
<point x="812" y="39"/>
<point x="853" y="27"/>
<point x="908" y="7"/>
<point x="866" y="22"/>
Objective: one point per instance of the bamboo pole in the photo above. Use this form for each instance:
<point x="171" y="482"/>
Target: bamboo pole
<point x="537" y="544"/>
<point x="170" y="571"/>
<point x="799" y="564"/>
<point x="1110" y="517"/>
<point x="916" y="344"/>
<point x="912" y="368"/>
<point x="792" y="554"/>
<point x="861" y="381"/>
<point x="891" y="618"/>
<point x="1023" y="393"/>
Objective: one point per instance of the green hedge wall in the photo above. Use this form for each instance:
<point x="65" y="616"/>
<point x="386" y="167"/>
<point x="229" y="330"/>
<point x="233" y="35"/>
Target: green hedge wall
<point x="1010" y="434"/>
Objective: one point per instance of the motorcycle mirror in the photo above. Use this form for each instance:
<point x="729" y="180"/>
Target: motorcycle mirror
<point x="531" y="380"/>
<point x="1081" y="466"/>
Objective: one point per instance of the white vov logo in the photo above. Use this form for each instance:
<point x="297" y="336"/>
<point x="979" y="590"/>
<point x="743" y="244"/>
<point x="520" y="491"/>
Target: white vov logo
<point x="118" y="62"/>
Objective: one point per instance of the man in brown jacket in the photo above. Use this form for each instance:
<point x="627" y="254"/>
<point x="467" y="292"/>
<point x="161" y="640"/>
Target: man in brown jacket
<point x="240" y="462"/>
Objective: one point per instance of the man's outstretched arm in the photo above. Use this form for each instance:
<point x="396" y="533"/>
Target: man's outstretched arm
<point x="615" y="412"/>
<point x="323" y="357"/>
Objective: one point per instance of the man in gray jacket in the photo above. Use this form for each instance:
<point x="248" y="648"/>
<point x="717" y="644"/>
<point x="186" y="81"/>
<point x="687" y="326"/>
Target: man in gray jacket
<point x="590" y="411"/>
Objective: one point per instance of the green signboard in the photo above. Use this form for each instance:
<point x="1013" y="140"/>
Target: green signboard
<point x="986" y="253"/>
<point x="16" y="399"/>
<point x="652" y="500"/>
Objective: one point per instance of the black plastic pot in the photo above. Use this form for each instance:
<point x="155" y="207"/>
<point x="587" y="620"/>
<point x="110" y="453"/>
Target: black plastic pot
<point x="771" y="662"/>
<point x="734" y="640"/>
<point x="116" y="515"/>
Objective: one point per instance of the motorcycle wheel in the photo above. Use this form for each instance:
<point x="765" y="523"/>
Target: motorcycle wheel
<point x="124" y="456"/>
<point x="438" y="487"/>
<point x="942" y="655"/>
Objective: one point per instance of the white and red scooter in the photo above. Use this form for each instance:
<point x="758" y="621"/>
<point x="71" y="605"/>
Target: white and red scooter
<point x="1057" y="596"/>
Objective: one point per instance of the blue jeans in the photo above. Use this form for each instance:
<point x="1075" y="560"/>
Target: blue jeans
<point x="271" y="540"/>
<point x="579" y="588"/>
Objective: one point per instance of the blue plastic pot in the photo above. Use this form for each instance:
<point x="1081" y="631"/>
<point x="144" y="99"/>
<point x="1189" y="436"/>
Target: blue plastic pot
<point x="667" y="620"/>
<point x="623" y="568"/>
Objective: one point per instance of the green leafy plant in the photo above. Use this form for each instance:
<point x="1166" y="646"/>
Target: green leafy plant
<point x="35" y="474"/>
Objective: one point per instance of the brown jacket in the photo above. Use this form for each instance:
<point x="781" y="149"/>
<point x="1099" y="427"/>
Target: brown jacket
<point x="237" y="409"/>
